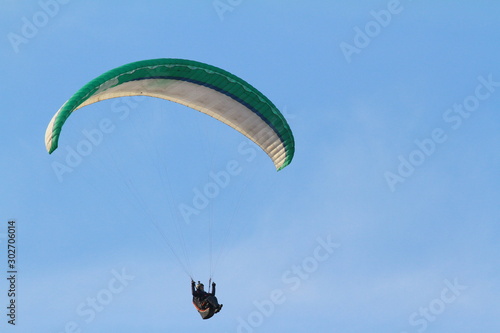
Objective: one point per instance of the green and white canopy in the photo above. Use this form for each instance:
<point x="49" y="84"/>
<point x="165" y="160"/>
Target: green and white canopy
<point x="202" y="87"/>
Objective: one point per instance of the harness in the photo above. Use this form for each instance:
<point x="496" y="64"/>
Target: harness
<point x="204" y="306"/>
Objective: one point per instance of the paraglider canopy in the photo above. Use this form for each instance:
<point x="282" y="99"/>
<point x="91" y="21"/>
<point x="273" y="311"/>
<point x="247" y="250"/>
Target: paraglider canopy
<point x="203" y="87"/>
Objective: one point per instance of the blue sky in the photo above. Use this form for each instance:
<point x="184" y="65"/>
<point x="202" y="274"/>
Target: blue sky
<point x="385" y="221"/>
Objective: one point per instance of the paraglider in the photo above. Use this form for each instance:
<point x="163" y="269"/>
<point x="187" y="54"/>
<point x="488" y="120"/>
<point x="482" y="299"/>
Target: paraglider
<point x="205" y="302"/>
<point x="204" y="88"/>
